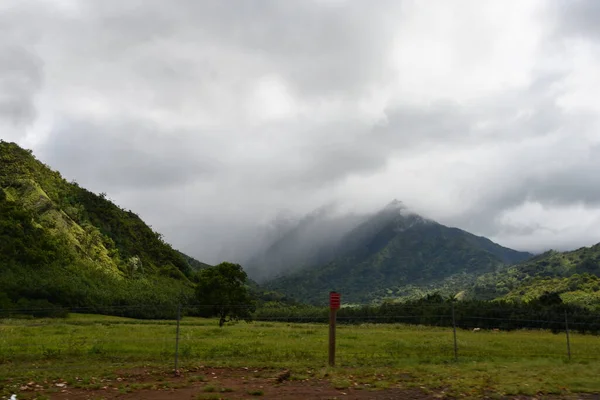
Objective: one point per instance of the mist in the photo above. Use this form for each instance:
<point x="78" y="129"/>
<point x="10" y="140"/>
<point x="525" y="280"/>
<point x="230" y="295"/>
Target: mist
<point x="294" y="243"/>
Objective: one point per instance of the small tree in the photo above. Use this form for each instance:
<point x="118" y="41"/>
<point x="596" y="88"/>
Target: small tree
<point x="222" y="292"/>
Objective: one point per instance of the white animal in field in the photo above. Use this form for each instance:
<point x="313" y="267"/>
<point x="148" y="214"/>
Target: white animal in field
<point x="476" y="329"/>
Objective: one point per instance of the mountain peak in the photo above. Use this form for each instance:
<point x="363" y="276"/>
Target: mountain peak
<point x="395" y="205"/>
<point x="403" y="214"/>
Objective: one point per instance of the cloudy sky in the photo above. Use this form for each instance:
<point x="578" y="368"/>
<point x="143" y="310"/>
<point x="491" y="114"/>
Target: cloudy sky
<point x="209" y="117"/>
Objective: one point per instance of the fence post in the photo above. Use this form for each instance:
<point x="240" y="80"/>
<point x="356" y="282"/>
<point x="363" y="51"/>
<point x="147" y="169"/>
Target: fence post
<point x="334" y="305"/>
<point x="568" y="338"/>
<point x="177" y="339"/>
<point x="454" y="331"/>
<point x="332" y="338"/>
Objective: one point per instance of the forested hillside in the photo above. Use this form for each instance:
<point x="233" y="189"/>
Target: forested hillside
<point x="572" y="274"/>
<point x="394" y="251"/>
<point x="63" y="245"/>
<point x="399" y="256"/>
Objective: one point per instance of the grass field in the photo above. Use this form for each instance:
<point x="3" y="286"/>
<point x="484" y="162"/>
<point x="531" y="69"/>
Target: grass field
<point x="519" y="362"/>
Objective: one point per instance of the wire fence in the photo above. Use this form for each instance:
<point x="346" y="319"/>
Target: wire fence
<point x="285" y="337"/>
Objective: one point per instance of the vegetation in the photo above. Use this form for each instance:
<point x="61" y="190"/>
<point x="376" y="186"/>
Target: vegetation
<point x="546" y="312"/>
<point x="392" y="251"/>
<point x="83" y="347"/>
<point x="64" y="247"/>
<point x="400" y="257"/>
<point x="572" y="274"/>
<point x="222" y="292"/>
<point x="193" y="263"/>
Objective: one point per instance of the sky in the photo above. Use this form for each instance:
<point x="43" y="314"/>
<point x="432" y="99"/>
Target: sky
<point x="210" y="118"/>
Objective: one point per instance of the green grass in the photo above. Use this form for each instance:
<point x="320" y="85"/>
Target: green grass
<point x="374" y="356"/>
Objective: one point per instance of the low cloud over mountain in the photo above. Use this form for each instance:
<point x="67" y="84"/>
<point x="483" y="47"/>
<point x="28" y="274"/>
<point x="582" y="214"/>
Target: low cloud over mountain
<point x="209" y="120"/>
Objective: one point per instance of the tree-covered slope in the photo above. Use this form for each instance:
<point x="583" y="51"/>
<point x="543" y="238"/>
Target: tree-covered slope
<point x="65" y="245"/>
<point x="393" y="250"/>
<point x="572" y="274"/>
<point x="193" y="263"/>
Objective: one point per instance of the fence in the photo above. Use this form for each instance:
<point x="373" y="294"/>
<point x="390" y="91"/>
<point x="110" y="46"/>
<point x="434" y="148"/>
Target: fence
<point x="284" y="337"/>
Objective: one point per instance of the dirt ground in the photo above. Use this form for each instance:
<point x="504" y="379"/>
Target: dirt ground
<point x="230" y="383"/>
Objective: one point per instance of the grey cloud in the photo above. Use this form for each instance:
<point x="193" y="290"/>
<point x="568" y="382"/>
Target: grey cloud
<point x="579" y="17"/>
<point x="365" y="149"/>
<point x="21" y="69"/>
<point x="114" y="157"/>
<point x="579" y="183"/>
<point x="572" y="185"/>
<point x="20" y="80"/>
<point x="317" y="49"/>
<point x="344" y="51"/>
<point x="157" y="99"/>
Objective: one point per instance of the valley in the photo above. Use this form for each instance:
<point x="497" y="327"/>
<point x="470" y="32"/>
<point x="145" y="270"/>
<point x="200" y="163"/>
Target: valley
<point x="90" y="296"/>
<point x="63" y="246"/>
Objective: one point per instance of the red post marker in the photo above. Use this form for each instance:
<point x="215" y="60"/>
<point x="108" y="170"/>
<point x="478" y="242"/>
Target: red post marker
<point x="334" y="305"/>
<point x="334" y="300"/>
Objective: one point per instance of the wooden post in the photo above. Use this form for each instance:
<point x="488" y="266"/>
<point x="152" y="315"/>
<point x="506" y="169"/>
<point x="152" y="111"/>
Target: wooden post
<point x="334" y="305"/>
<point x="568" y="338"/>
<point x="454" y="330"/>
<point x="332" y="337"/>
<point x="177" y="340"/>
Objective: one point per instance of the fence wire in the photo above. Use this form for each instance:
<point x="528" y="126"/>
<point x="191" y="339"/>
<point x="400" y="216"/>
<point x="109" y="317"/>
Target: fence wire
<point x="282" y="336"/>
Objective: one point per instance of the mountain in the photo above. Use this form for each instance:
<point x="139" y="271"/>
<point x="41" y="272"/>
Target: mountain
<point x="391" y="251"/>
<point x="301" y="243"/>
<point x="62" y="245"/>
<point x="574" y="275"/>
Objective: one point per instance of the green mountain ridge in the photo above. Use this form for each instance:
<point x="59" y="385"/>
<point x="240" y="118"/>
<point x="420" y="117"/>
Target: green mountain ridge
<point x="396" y="251"/>
<point x="398" y="256"/>
<point x="574" y="275"/>
<point x="61" y="244"/>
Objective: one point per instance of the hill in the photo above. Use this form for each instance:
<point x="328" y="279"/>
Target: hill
<point x="192" y="262"/>
<point x="62" y="245"/>
<point x="574" y="275"/>
<point x="395" y="250"/>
